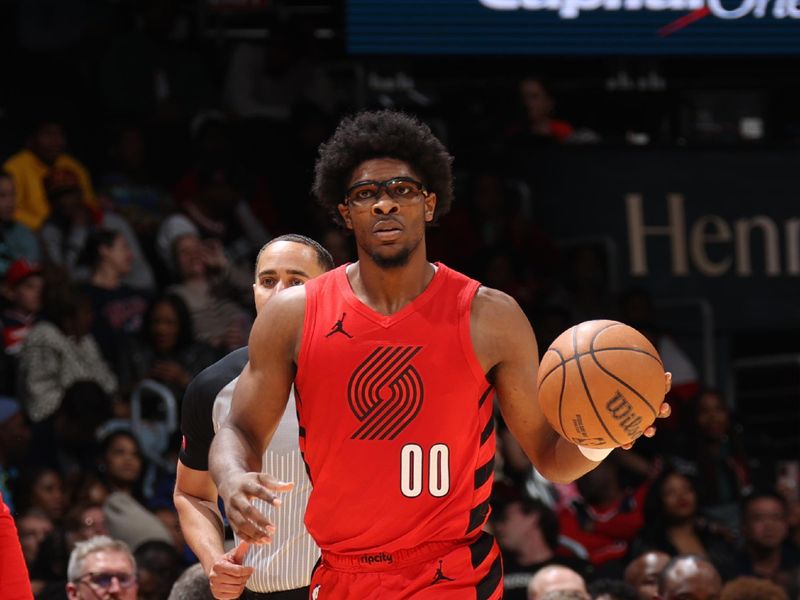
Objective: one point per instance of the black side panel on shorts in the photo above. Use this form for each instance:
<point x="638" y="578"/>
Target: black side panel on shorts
<point x="480" y="549"/>
<point x="488" y="585"/>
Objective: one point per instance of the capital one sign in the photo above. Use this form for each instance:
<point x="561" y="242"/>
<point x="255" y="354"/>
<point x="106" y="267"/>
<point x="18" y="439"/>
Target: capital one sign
<point x="729" y="10"/>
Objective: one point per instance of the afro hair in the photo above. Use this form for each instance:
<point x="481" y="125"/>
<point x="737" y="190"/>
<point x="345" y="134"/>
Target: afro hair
<point x="382" y="134"/>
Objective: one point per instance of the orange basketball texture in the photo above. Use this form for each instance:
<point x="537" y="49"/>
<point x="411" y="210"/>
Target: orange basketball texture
<point x="601" y="384"/>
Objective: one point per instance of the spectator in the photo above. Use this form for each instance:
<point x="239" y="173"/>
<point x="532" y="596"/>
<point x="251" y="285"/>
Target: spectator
<point x="60" y="351"/>
<point x="33" y="527"/>
<point x="65" y="233"/>
<point x="214" y="292"/>
<point x="121" y="463"/>
<point x="610" y="589"/>
<point x="689" y="577"/>
<point x="643" y="572"/>
<point x="765" y="530"/>
<point x="83" y="409"/>
<point x="44" y="151"/>
<point x="41" y="488"/>
<point x="192" y="585"/>
<point x="219" y="211"/>
<point x="605" y="518"/>
<point x="527" y="533"/>
<point x="538" y="124"/>
<point x="101" y="567"/>
<point x="16" y="240"/>
<point x="713" y="451"/>
<point x="22" y="292"/>
<point x="88" y="488"/>
<point x="159" y="567"/>
<point x="752" y="588"/>
<point x="165" y="349"/>
<point x="132" y="523"/>
<point x="81" y="523"/>
<point x="555" y="578"/>
<point x="117" y="308"/>
<point x="15" y="437"/>
<point x="672" y="524"/>
<point x="14" y="582"/>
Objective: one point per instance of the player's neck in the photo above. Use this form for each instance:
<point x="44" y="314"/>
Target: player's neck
<point x="388" y="290"/>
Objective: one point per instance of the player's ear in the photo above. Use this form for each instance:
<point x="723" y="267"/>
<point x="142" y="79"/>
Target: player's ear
<point x="430" y="206"/>
<point x="344" y="211"/>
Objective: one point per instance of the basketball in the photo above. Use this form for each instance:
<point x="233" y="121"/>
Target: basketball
<point x="601" y="384"/>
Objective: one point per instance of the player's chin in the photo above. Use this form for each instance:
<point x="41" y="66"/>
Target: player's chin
<point x="390" y="256"/>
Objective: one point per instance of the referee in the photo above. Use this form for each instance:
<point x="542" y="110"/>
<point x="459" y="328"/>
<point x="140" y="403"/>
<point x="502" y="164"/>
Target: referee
<point x="280" y="570"/>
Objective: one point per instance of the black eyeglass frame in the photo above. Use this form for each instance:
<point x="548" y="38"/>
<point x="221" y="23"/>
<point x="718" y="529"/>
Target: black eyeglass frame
<point x="382" y="185"/>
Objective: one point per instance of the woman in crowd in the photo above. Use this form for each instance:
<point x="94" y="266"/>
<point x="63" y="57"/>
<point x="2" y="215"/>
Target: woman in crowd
<point x="673" y="525"/>
<point x="118" y="308"/>
<point x="217" y="292"/>
<point x="122" y="467"/>
<point x="121" y="463"/>
<point x="165" y="349"/>
<point x="41" y="488"/>
<point x="713" y="452"/>
<point x="58" y="352"/>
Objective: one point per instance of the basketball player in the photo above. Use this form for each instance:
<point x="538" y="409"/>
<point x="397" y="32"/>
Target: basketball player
<point x="282" y="570"/>
<point x="394" y="361"/>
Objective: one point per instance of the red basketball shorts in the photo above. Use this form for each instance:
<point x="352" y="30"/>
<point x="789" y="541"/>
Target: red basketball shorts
<point x="435" y="571"/>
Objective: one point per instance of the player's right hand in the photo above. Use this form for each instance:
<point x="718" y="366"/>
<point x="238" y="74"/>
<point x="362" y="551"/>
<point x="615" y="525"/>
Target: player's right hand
<point x="246" y="520"/>
<point x="228" y="576"/>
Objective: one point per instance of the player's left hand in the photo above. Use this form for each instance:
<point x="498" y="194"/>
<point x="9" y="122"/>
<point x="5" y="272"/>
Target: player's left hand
<point x="663" y="413"/>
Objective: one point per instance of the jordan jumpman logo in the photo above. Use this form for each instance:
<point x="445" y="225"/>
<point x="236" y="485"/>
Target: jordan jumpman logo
<point x="339" y="327"/>
<point x="440" y="576"/>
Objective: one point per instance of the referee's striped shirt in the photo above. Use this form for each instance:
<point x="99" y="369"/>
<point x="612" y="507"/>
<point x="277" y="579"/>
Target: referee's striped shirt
<point x="286" y="564"/>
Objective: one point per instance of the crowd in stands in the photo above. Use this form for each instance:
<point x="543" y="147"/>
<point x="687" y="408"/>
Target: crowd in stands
<point x="125" y="275"/>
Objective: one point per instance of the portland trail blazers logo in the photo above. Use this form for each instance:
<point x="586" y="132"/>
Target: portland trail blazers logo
<point x="385" y="392"/>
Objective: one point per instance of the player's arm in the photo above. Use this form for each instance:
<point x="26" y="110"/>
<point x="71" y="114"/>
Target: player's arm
<point x="195" y="498"/>
<point x="506" y="345"/>
<point x="259" y="401"/>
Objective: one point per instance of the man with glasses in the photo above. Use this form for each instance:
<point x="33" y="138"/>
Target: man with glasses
<point x="395" y="361"/>
<point x="101" y="568"/>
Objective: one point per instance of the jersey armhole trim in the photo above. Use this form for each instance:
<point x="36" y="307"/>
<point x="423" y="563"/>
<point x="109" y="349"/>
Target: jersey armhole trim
<point x="465" y="299"/>
<point x="309" y="322"/>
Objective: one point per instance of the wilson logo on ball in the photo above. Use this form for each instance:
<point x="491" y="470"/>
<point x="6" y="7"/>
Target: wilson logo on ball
<point x="623" y="412"/>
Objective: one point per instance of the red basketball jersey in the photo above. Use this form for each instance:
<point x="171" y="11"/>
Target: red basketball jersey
<point x="395" y="418"/>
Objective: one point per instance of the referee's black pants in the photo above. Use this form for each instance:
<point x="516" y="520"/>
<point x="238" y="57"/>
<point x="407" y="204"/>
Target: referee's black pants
<point x="300" y="594"/>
